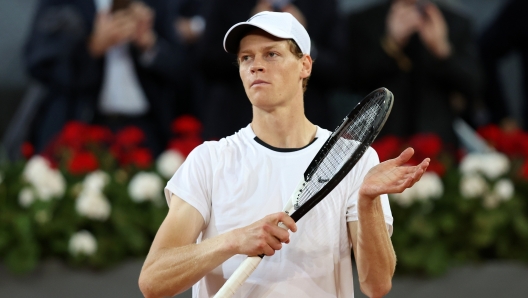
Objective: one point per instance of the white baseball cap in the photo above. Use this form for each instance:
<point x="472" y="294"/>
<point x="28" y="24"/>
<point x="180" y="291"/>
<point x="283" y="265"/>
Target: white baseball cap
<point x="279" y="24"/>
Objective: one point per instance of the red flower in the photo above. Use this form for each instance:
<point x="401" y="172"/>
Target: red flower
<point x="185" y="145"/>
<point x="387" y="147"/>
<point x="524" y="170"/>
<point x="99" y="134"/>
<point x="130" y="136"/>
<point x="436" y="167"/>
<point x="186" y="125"/>
<point x="82" y="163"/>
<point x="141" y="158"/>
<point x="73" y="135"/>
<point x="523" y="145"/>
<point x="27" y="150"/>
<point x="426" y="145"/>
<point x="509" y="142"/>
<point x="491" y="133"/>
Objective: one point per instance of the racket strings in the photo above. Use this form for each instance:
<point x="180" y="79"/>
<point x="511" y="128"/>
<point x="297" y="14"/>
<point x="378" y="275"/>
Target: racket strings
<point x="349" y="139"/>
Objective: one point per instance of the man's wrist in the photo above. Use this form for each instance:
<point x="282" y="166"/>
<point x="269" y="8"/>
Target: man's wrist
<point x="230" y="243"/>
<point x="366" y="201"/>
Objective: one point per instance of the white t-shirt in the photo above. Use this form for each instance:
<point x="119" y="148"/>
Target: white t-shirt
<point x="238" y="180"/>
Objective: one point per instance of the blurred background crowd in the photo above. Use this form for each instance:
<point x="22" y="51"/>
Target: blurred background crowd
<point x="121" y="63"/>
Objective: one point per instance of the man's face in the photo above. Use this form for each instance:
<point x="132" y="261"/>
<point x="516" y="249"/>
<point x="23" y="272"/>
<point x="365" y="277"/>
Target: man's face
<point x="271" y="74"/>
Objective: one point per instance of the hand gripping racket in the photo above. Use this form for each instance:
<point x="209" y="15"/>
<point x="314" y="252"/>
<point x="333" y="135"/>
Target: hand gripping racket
<point x="331" y="164"/>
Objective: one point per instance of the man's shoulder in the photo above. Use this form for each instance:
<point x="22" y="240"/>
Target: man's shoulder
<point x="236" y="141"/>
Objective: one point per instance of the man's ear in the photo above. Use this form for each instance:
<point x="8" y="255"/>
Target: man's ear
<point x="307" y="63"/>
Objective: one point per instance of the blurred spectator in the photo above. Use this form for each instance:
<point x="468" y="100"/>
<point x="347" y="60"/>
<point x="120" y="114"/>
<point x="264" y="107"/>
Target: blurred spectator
<point x="190" y="18"/>
<point x="507" y="33"/>
<point x="227" y="108"/>
<point x="115" y="63"/>
<point x="189" y="24"/>
<point x="424" y="53"/>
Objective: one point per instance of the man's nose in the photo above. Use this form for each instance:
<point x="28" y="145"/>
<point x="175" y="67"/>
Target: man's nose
<point x="257" y="66"/>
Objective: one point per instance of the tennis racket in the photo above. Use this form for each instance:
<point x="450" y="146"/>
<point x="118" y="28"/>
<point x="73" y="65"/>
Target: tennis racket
<point x="343" y="149"/>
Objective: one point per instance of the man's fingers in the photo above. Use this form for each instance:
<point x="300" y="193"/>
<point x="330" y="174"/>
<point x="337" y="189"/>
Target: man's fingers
<point x="274" y="242"/>
<point x="278" y="233"/>
<point x="417" y="174"/>
<point x="286" y="220"/>
<point x="268" y="250"/>
<point x="402" y="158"/>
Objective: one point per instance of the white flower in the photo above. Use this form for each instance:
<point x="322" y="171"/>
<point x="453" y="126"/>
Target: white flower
<point x="168" y="162"/>
<point x="94" y="205"/>
<point x="495" y="164"/>
<point x="26" y="197"/>
<point x="504" y="189"/>
<point x="96" y="181"/>
<point x="429" y="186"/>
<point x="48" y="182"/>
<point x="492" y="165"/>
<point x="36" y="168"/>
<point x="472" y="186"/>
<point x="406" y="198"/>
<point x="82" y="242"/>
<point x="145" y="186"/>
<point x="56" y="183"/>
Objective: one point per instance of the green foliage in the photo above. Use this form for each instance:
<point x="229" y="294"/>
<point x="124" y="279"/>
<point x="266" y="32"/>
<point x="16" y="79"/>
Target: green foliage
<point x="43" y="229"/>
<point x="432" y="235"/>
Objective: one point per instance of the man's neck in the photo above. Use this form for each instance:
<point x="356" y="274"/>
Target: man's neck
<point x="283" y="127"/>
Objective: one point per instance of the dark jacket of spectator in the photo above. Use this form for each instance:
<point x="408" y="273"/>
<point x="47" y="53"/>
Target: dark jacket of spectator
<point x="429" y="92"/>
<point x="57" y="55"/>
<point x="506" y="34"/>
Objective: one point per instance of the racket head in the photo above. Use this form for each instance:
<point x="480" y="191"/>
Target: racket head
<point x="343" y="149"/>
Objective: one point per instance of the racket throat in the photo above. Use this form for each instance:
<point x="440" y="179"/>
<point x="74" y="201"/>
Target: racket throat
<point x="294" y="201"/>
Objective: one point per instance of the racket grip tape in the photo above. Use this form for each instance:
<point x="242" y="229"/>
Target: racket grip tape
<point x="238" y="278"/>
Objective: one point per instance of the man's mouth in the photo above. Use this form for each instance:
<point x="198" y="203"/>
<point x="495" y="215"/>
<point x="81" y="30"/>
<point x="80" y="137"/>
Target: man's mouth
<point x="258" y="82"/>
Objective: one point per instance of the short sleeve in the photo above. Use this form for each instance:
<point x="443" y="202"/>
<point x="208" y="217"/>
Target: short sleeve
<point x="356" y="177"/>
<point x="192" y="181"/>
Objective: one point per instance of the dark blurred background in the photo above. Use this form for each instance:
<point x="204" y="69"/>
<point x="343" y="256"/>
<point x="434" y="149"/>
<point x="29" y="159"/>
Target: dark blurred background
<point x="17" y="86"/>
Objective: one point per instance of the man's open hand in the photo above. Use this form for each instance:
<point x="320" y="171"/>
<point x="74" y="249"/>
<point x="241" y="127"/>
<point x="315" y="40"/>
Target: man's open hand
<point x="392" y="176"/>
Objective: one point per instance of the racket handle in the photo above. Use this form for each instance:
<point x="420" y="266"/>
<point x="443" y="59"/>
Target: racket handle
<point x="240" y="275"/>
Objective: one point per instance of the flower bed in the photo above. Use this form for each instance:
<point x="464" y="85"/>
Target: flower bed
<point x="95" y="198"/>
<point x="467" y="208"/>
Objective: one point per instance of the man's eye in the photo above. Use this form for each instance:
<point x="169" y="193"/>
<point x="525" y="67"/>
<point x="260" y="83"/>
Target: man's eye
<point x="272" y="54"/>
<point x="244" y="58"/>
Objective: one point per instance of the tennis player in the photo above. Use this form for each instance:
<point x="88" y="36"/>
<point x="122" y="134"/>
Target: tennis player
<point x="224" y="200"/>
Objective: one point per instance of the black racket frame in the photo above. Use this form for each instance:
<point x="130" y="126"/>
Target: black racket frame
<point x="354" y="158"/>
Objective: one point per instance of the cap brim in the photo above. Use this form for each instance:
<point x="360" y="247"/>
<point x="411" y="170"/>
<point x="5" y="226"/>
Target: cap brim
<point x="238" y="31"/>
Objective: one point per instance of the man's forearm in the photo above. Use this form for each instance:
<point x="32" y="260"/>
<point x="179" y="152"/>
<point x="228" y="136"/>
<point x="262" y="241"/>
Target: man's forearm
<point x="170" y="271"/>
<point x="375" y="258"/>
